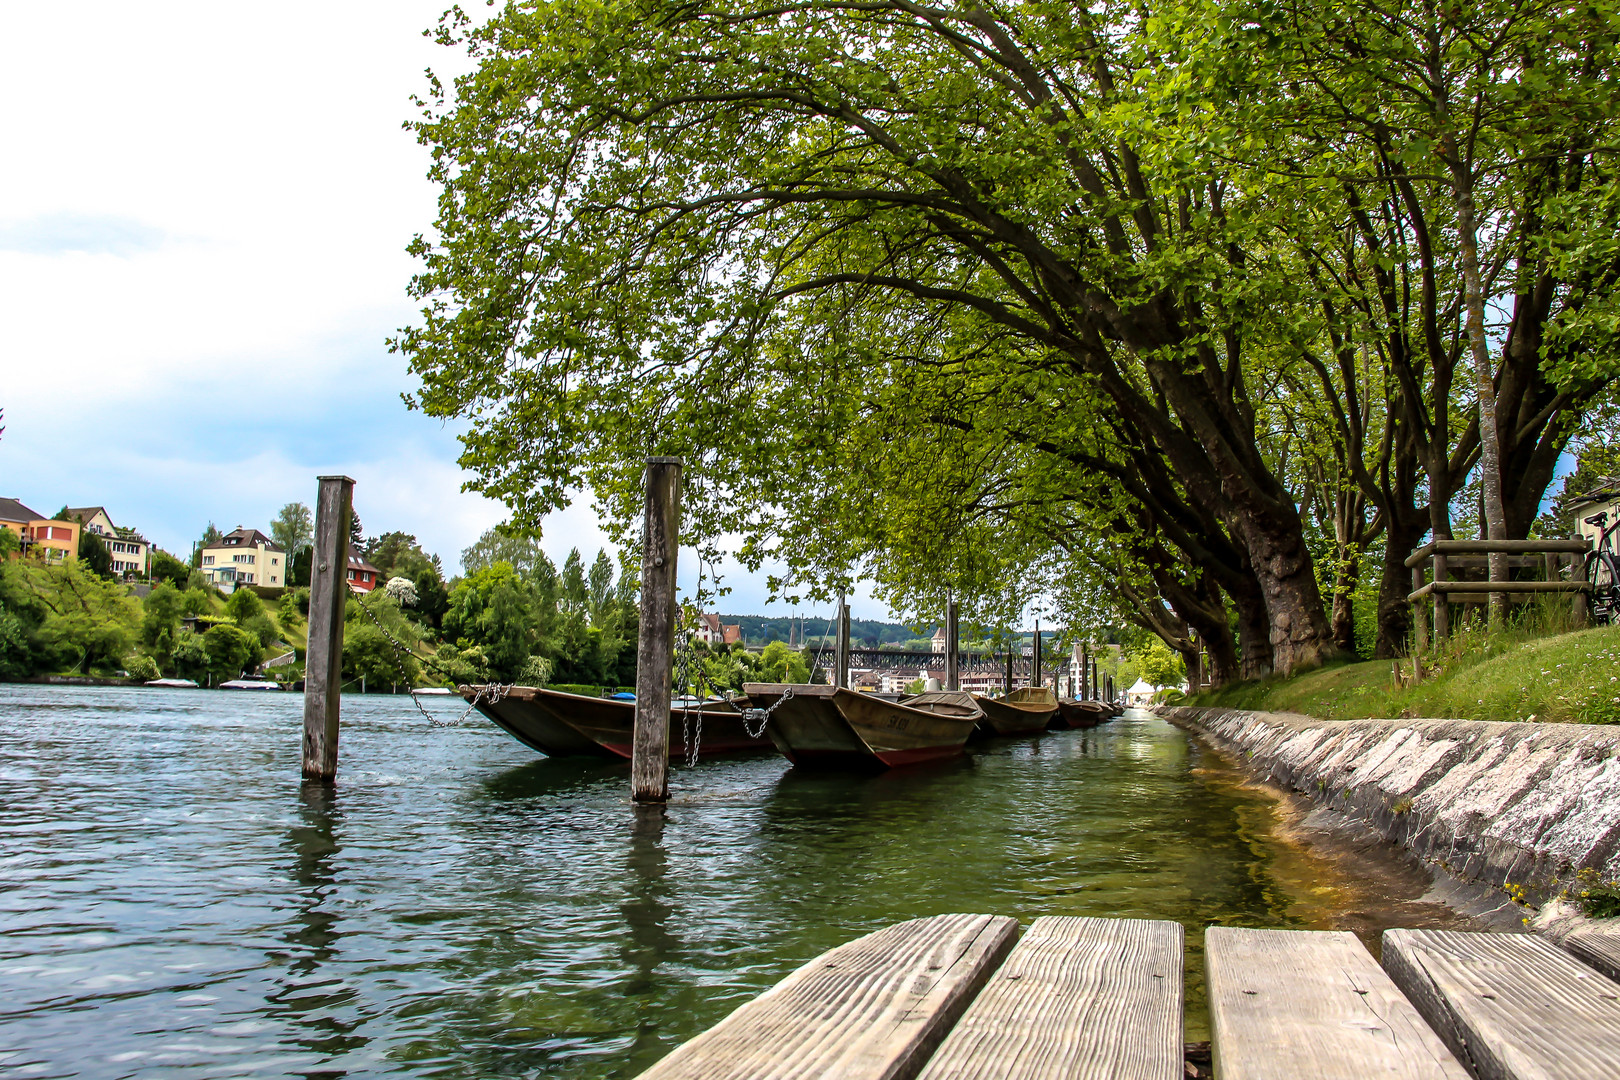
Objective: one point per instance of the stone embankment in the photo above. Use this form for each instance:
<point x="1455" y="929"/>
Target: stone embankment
<point x="1511" y="811"/>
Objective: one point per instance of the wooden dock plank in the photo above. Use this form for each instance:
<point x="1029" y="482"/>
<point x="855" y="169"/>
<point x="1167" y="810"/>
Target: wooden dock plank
<point x="1595" y="948"/>
<point x="1513" y="1006"/>
<point x="1289" y="1004"/>
<point x="1078" y="998"/>
<point x="872" y="1009"/>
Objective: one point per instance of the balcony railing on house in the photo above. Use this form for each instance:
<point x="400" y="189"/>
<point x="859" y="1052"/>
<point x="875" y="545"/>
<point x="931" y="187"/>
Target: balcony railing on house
<point x="1562" y="564"/>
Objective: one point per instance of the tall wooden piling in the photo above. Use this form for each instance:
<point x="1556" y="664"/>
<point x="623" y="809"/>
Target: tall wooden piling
<point x="323" y="661"/>
<point x="841" y="651"/>
<point x="655" y="639"/>
<point x="1085" y="671"/>
<point x="1035" y="657"/>
<point x="953" y="645"/>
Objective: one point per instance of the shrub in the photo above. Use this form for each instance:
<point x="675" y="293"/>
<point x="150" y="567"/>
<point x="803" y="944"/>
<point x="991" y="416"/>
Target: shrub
<point x="142" y="667"/>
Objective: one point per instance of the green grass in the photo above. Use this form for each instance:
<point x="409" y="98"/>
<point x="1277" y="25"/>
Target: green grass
<point x="1567" y="678"/>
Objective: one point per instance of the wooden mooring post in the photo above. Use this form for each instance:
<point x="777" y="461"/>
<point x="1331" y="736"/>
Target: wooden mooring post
<point x="1035" y="657"/>
<point x="323" y="660"/>
<point x="655" y="639"/>
<point x="841" y="650"/>
<point x="953" y="645"/>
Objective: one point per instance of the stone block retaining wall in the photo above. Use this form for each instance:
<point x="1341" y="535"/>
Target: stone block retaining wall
<point x="1517" y="808"/>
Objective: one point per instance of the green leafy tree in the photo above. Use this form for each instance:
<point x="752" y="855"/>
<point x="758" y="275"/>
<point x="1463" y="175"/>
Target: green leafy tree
<point x="93" y="554"/>
<point x="230" y="651"/>
<point x="369" y="652"/>
<point x="298" y="567"/>
<point x="189" y="659"/>
<point x="502" y="612"/>
<point x="293" y="529"/>
<point x="500" y="545"/>
<point x="166" y="567"/>
<point x="160" y="623"/>
<point x="210" y="536"/>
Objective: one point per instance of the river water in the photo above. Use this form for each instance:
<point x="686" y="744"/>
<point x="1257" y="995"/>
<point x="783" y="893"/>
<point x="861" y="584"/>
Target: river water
<point x="173" y="902"/>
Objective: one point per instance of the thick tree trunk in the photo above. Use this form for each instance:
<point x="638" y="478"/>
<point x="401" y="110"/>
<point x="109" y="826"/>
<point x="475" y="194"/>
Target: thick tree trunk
<point x="1299" y="634"/>
<point x="1394" y="611"/>
<point x="1343" y="620"/>
<point x="1254" y="632"/>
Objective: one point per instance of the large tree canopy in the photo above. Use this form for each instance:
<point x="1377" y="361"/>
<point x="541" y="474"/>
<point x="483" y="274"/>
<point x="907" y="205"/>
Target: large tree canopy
<point x="1041" y="296"/>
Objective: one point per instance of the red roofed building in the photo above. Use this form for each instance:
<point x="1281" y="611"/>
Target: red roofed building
<point x="363" y="577"/>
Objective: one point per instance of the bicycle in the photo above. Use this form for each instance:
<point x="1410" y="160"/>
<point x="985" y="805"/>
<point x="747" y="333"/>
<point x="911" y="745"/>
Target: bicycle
<point x="1603" y="571"/>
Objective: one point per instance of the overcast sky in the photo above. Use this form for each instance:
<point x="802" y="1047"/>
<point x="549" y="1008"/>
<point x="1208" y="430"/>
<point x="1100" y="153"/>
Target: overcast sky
<point x="202" y="229"/>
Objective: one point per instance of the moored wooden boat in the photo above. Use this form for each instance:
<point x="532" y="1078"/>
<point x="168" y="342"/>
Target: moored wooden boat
<point x="571" y="725"/>
<point x="834" y="728"/>
<point x="1022" y="712"/>
<point x="1081" y="714"/>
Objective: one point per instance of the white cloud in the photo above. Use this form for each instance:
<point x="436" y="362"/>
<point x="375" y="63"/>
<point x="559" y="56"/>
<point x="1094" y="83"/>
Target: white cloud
<point x="202" y="230"/>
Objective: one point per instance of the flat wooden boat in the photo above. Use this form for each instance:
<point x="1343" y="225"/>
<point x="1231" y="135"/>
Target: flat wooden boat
<point x="1022" y="712"/>
<point x="1081" y="714"/>
<point x="573" y="725"/>
<point x="830" y="727"/>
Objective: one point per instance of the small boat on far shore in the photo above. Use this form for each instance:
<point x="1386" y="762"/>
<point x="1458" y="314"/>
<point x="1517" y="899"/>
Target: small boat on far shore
<point x="831" y="727"/>
<point x="250" y="684"/>
<point x="1022" y="712"/>
<point x="574" y="725"/>
<point x="1081" y="714"/>
<point x="177" y="684"/>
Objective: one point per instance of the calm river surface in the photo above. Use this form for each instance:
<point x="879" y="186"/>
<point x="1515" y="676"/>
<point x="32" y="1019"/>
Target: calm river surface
<point x="173" y="903"/>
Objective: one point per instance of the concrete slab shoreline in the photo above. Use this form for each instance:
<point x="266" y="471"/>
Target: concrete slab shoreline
<point x="1510" y="813"/>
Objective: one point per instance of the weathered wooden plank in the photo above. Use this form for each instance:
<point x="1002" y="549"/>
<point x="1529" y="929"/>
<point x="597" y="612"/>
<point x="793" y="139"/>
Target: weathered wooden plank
<point x="1595" y="948"/>
<point x="1510" y="1005"/>
<point x="1291" y="1004"/>
<point x="1078" y="998"/>
<point x="655" y="637"/>
<point x="872" y="1009"/>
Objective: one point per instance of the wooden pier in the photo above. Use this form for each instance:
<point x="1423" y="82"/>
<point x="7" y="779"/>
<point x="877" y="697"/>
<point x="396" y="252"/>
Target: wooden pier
<point x="964" y="997"/>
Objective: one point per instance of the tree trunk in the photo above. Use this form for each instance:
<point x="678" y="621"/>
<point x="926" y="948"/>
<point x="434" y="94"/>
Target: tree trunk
<point x="1394" y="610"/>
<point x="1345" y="580"/>
<point x="1490" y="452"/>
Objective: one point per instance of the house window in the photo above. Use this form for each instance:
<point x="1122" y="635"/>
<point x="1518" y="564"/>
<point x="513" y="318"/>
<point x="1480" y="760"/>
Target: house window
<point x="242" y="558"/>
<point x="351" y="575"/>
<point x="273" y="558"/>
<point x="208" y="560"/>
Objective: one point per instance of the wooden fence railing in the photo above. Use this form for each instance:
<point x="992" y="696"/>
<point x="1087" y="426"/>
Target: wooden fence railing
<point x="1444" y="556"/>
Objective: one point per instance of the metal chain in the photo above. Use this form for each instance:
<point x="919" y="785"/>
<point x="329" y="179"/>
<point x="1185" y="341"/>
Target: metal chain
<point x="487" y="692"/>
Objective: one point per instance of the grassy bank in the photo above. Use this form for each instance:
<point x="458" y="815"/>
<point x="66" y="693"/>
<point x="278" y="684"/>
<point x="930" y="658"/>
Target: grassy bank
<point x="1568" y="678"/>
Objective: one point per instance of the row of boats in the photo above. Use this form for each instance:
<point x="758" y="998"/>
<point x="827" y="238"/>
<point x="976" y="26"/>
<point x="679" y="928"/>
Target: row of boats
<point x="813" y="726"/>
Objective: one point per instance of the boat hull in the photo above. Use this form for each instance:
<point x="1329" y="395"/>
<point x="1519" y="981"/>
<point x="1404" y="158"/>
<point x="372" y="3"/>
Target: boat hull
<point x="572" y="725"/>
<point x="1081" y="714"/>
<point x="824" y="727"/>
<point x="1022" y="712"/>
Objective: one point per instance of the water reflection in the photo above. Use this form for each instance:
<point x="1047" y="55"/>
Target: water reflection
<point x="312" y="995"/>
<point x="462" y="908"/>
<point x="647" y="909"/>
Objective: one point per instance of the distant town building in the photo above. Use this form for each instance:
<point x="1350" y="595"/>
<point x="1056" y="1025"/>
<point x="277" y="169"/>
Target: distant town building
<point x="40" y="537"/>
<point x="363" y="577"/>
<point x="244" y="557"/>
<point x="129" y="550"/>
<point x="711" y="632"/>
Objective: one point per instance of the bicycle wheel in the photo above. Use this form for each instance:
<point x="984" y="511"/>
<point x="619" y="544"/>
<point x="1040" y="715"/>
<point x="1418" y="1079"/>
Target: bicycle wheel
<point x="1603" y="571"/>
